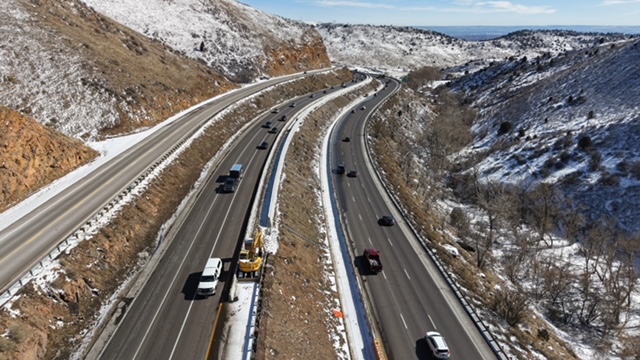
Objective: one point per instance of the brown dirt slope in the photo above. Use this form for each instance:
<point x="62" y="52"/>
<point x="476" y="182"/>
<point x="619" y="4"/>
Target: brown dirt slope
<point x="52" y="320"/>
<point x="32" y="156"/>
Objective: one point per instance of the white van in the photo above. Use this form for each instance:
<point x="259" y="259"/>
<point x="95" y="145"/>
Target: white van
<point x="209" y="278"/>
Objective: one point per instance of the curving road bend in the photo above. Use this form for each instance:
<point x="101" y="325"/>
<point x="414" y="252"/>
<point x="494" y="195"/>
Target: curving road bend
<point x="409" y="297"/>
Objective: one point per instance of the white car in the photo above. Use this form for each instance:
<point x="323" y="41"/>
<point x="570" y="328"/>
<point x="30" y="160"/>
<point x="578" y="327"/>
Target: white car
<point x="209" y="278"/>
<point x="437" y="345"/>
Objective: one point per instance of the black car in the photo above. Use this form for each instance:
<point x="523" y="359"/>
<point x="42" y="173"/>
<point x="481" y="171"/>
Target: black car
<point x="267" y="124"/>
<point x="340" y="169"/>
<point x="352" y="173"/>
<point x="346" y="139"/>
<point x="230" y="185"/>
<point x="293" y="104"/>
<point x="273" y="130"/>
<point x="283" y="118"/>
<point x="387" y="220"/>
<point x="263" y="145"/>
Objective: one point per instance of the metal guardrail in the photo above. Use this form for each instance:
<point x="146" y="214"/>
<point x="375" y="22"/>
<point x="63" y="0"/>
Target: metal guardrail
<point x="98" y="218"/>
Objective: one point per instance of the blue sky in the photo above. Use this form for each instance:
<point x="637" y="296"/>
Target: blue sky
<point x="457" y="12"/>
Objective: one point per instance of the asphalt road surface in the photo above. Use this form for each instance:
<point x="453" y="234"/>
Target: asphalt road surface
<point x="166" y="320"/>
<point x="409" y="297"/>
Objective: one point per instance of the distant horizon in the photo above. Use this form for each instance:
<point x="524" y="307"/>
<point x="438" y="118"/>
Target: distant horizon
<point x="486" y="32"/>
<point x="456" y="12"/>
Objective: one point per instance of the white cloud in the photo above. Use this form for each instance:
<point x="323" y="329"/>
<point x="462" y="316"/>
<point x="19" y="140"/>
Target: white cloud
<point x="486" y="7"/>
<point x="507" y="6"/>
<point x="360" y="4"/>
<point x="619" y="2"/>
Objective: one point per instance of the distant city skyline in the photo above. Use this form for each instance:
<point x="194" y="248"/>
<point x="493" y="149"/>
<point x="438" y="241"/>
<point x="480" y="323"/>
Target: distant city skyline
<point x="457" y="12"/>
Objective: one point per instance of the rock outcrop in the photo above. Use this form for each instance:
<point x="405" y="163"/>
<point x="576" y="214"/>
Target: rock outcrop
<point x="32" y="156"/>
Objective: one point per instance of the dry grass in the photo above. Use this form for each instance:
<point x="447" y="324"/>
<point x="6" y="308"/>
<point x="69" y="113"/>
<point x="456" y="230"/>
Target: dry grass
<point x="301" y="328"/>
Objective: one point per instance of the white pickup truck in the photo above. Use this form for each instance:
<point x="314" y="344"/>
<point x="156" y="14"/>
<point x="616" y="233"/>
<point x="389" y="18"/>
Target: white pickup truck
<point x="209" y="278"/>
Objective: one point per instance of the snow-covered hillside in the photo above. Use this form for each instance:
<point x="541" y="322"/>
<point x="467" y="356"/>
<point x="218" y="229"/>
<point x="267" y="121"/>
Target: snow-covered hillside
<point x="72" y="68"/>
<point x="45" y="81"/>
<point x="400" y="49"/>
<point x="571" y="119"/>
<point x="238" y="41"/>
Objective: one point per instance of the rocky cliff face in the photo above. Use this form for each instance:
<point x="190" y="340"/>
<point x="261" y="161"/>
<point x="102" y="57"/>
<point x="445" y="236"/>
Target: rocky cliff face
<point x="32" y="156"/>
<point x="291" y="57"/>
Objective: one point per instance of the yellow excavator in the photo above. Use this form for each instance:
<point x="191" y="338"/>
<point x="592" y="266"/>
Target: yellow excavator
<point x="251" y="255"/>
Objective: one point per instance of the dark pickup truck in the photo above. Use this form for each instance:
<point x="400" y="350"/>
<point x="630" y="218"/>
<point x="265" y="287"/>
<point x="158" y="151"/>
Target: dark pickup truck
<point x="372" y="257"/>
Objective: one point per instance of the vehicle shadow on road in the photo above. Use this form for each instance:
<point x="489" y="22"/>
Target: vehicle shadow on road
<point x="422" y="350"/>
<point x="191" y="285"/>
<point x="360" y="262"/>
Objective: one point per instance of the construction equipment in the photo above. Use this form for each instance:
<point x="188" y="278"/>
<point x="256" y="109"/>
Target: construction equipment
<point x="250" y="261"/>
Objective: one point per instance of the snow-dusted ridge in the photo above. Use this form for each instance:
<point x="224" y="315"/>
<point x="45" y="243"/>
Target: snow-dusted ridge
<point x="398" y="50"/>
<point x="551" y="103"/>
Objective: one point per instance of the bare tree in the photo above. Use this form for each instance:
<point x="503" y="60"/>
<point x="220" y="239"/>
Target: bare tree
<point x="495" y="203"/>
<point x="571" y="220"/>
<point x="590" y="303"/>
<point x="544" y="203"/>
<point x="558" y="281"/>
<point x="460" y="221"/>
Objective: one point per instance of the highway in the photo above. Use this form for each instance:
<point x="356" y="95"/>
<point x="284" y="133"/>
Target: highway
<point x="166" y="320"/>
<point x="24" y="243"/>
<point x="409" y="297"/>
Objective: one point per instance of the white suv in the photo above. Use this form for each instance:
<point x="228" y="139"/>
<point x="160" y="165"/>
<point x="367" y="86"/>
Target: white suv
<point x="209" y="278"/>
<point x="437" y="345"/>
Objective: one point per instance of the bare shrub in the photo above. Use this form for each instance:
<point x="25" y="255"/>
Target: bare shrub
<point x="585" y="142"/>
<point x="596" y="160"/>
<point x="17" y="333"/>
<point x="543" y="334"/>
<point x="459" y="221"/>
<point x="6" y="345"/>
<point x="608" y="179"/>
<point x="511" y="305"/>
<point x="634" y="169"/>
<point x="422" y="77"/>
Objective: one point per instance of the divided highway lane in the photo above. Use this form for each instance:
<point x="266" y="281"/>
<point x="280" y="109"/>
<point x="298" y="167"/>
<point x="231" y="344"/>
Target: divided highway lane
<point x="25" y="242"/>
<point x="166" y="320"/>
<point x="409" y="297"/>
